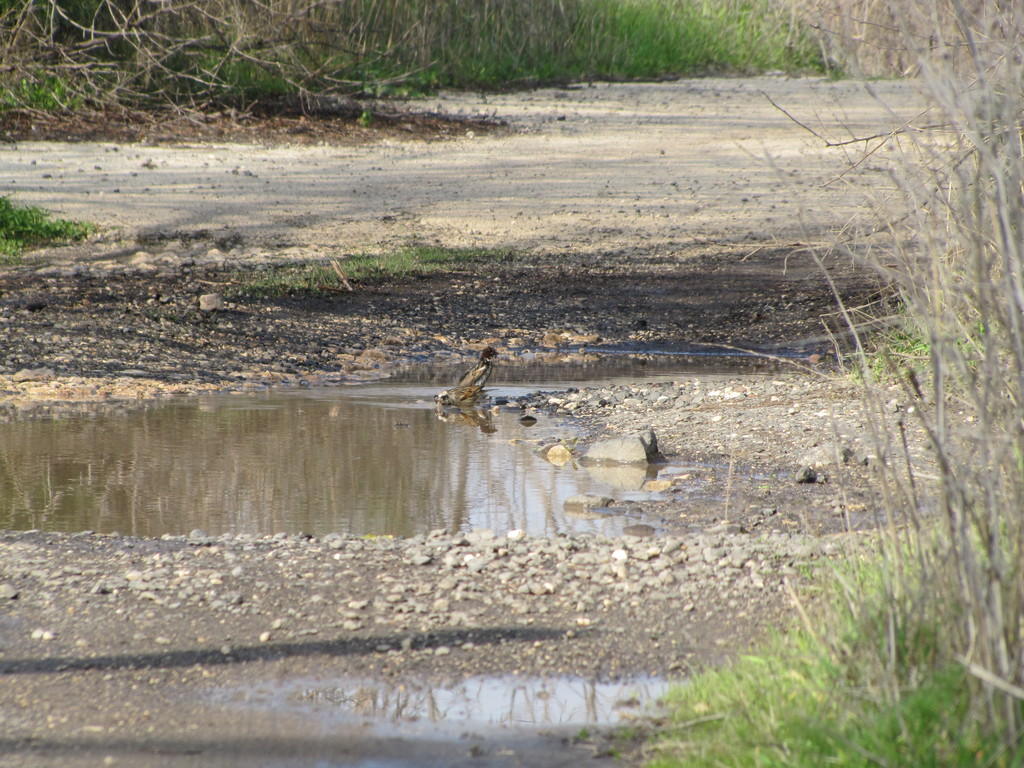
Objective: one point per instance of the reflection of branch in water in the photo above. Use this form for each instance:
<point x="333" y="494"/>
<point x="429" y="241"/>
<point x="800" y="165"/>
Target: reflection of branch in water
<point x="503" y="700"/>
<point x="476" y="417"/>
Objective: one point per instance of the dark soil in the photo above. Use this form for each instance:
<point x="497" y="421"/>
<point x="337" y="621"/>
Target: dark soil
<point x="100" y="324"/>
<point x="262" y="125"/>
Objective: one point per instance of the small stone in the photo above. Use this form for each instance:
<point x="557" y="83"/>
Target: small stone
<point x="264" y="637"/>
<point x="655" y="486"/>
<point x="714" y="554"/>
<point x="588" y="500"/>
<point x="8" y="592"/>
<point x="806" y="475"/>
<point x="211" y="302"/>
<point x="34" y="374"/>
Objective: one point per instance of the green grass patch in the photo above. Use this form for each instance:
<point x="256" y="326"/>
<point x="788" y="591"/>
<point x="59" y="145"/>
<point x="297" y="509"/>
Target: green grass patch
<point x="870" y="687"/>
<point x="323" y="278"/>
<point x="612" y="40"/>
<point x="796" y="708"/>
<point x="651" y="38"/>
<point x="23" y="227"/>
<point x="46" y="93"/>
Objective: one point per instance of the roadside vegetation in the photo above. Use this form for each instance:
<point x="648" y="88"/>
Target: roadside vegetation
<point x="23" y="227"/>
<point x="912" y="653"/>
<point x="63" y="54"/>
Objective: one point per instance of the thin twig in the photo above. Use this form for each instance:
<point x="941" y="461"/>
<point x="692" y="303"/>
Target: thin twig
<point x="341" y="275"/>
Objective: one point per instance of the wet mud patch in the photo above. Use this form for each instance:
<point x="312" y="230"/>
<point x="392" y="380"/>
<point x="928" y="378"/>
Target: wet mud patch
<point x="143" y="320"/>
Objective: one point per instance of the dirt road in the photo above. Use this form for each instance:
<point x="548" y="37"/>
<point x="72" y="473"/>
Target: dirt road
<point x="102" y="666"/>
<point x="592" y="169"/>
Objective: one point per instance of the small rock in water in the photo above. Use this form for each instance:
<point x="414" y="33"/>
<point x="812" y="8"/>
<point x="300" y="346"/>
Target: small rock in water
<point x="583" y="505"/>
<point x="558" y="455"/>
<point x="588" y="500"/>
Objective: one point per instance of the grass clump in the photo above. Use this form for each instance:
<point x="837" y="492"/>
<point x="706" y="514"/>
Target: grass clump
<point x="651" y="38"/>
<point x="47" y="93"/>
<point x="811" y="700"/>
<point x="326" y="278"/>
<point x="23" y="227"/>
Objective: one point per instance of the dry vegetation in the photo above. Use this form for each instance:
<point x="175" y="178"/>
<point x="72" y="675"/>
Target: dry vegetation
<point x="191" y="53"/>
<point x="920" y="659"/>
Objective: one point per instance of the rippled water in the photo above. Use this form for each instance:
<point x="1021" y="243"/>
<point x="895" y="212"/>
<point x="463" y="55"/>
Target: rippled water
<point x="366" y="459"/>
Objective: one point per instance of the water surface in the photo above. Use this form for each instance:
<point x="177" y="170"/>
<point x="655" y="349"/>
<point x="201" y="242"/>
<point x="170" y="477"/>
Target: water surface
<point x="365" y="459"/>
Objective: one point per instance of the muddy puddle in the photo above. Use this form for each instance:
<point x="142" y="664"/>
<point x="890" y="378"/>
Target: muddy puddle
<point x="429" y="710"/>
<point x="368" y="459"/>
<point x="480" y="721"/>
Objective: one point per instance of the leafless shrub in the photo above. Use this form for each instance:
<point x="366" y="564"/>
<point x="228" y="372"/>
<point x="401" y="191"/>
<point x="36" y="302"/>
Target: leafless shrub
<point x="171" y="51"/>
<point x="957" y="261"/>
<point x="880" y="38"/>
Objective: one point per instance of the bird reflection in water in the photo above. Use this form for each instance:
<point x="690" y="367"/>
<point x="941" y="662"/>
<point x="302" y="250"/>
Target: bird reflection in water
<point x="469" y="417"/>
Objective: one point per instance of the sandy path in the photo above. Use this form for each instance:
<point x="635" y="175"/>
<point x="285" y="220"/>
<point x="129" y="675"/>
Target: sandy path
<point x="593" y="168"/>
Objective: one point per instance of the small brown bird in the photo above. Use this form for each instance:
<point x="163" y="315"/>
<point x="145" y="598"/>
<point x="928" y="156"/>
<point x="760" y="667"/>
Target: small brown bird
<point x="477" y="375"/>
<point x="471" y="384"/>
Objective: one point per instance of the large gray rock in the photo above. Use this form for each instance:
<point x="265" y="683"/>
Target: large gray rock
<point x="632" y="449"/>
